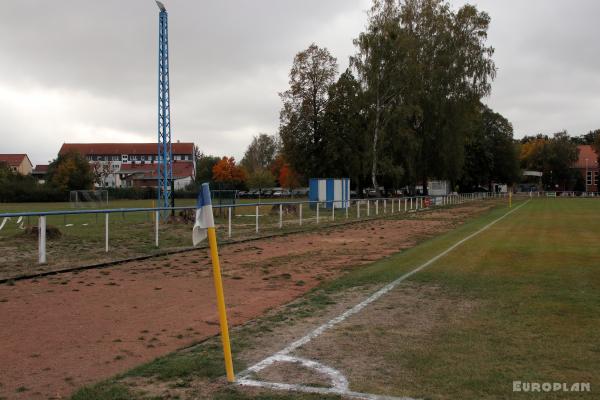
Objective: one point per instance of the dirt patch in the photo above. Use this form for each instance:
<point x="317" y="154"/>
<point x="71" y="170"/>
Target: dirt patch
<point x="405" y="319"/>
<point x="64" y="331"/>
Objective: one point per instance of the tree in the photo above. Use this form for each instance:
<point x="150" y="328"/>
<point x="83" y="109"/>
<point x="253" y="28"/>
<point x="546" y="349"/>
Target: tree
<point x="260" y="179"/>
<point x="70" y="171"/>
<point x="100" y="172"/>
<point x="450" y="69"/>
<point x="260" y="153"/>
<point x="490" y="152"/>
<point x="379" y="63"/>
<point x="204" y="167"/>
<point x="312" y="73"/>
<point x="347" y="149"/>
<point x="227" y="172"/>
<point x="288" y="178"/>
<point x="553" y="156"/>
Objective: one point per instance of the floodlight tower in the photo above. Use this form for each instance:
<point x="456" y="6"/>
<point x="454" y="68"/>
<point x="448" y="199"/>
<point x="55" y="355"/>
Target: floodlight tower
<point x="165" y="150"/>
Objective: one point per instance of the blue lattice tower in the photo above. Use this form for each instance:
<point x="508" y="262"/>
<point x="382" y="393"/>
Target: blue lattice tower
<point x="165" y="151"/>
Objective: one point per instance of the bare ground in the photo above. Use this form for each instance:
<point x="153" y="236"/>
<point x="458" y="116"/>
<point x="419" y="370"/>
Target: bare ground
<point x="62" y="332"/>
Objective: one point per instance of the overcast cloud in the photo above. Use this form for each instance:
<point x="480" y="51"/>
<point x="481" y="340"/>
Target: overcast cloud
<point x="85" y="71"/>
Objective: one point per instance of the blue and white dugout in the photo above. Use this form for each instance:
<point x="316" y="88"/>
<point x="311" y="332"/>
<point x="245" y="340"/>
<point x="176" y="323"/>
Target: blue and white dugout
<point x="334" y="192"/>
<point x="204" y="215"/>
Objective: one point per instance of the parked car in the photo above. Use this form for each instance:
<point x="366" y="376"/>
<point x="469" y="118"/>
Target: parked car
<point x="300" y="192"/>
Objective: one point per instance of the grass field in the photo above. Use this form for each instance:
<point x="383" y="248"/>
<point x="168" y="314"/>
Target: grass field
<point x="518" y="302"/>
<point x="132" y="234"/>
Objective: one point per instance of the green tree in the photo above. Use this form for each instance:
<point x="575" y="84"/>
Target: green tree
<point x="313" y="72"/>
<point x="261" y="153"/>
<point x="379" y="62"/>
<point x="451" y="69"/>
<point x="346" y="144"/>
<point x="204" y="167"/>
<point x="70" y="171"/>
<point x="260" y="179"/>
<point x="490" y="152"/>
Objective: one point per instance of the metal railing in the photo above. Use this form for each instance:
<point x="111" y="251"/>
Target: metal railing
<point x="363" y="208"/>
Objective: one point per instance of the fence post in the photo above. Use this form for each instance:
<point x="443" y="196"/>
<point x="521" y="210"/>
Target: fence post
<point x="106" y="232"/>
<point x="156" y="218"/>
<point x="333" y="210"/>
<point x="347" y="204"/>
<point x="317" y="212"/>
<point x="357" y="209"/>
<point x="376" y="207"/>
<point x="392" y="205"/>
<point x="280" y="216"/>
<point x="256" y="219"/>
<point x="411" y="203"/>
<point x="368" y="208"/>
<point x="300" y="218"/>
<point x="42" y="240"/>
<point x="229" y="222"/>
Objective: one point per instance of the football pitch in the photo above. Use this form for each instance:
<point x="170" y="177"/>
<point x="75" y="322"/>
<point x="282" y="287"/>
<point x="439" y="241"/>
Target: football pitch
<point x="504" y="306"/>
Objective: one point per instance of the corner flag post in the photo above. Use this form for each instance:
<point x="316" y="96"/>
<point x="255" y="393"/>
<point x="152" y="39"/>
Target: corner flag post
<point x="205" y="225"/>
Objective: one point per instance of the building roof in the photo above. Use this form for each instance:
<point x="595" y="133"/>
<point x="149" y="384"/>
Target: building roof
<point x="181" y="169"/>
<point x="40" y="169"/>
<point x="586" y="152"/>
<point x="123" y="148"/>
<point x="13" y="160"/>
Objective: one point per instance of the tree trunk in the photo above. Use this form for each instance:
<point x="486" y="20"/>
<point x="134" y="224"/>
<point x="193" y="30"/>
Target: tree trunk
<point x="375" y="139"/>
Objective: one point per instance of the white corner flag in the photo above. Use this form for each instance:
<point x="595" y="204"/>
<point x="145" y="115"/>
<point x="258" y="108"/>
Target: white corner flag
<point x="204" y="215"/>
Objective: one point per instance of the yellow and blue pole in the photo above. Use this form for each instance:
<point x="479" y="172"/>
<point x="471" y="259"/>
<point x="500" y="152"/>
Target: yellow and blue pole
<point x="205" y="220"/>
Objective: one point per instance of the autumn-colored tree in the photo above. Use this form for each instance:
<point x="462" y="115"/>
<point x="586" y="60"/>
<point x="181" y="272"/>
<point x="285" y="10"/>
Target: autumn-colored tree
<point x="226" y="171"/>
<point x="70" y="171"/>
<point x="288" y="178"/>
<point x="276" y="166"/>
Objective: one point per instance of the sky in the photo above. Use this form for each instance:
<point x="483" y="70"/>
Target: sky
<point x="86" y="71"/>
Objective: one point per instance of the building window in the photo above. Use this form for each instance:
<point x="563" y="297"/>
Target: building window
<point x="590" y="175"/>
<point x="596" y="177"/>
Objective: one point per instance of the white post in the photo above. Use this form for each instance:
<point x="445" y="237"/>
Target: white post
<point x="106" y="232"/>
<point x="357" y="209"/>
<point x="392" y="205"/>
<point x="256" y="219"/>
<point x="347" y="204"/>
<point x="229" y="222"/>
<point x="411" y="203"/>
<point x="280" y="216"/>
<point x="333" y="210"/>
<point x="368" y="208"/>
<point x="376" y="207"/>
<point x="317" y="212"/>
<point x="300" y="214"/>
<point x="385" y="205"/>
<point x="42" y="240"/>
<point x="156" y="217"/>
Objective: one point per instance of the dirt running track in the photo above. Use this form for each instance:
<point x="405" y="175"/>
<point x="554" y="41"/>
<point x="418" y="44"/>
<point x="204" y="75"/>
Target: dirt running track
<point x="59" y="333"/>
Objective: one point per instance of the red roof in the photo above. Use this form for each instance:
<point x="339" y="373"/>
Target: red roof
<point x="123" y="148"/>
<point x="41" y="168"/>
<point x="181" y="169"/>
<point x="13" y="160"/>
<point x="586" y="152"/>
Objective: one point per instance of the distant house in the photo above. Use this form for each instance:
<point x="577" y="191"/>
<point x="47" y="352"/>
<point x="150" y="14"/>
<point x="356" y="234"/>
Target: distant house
<point x="18" y="163"/>
<point x="134" y="164"/>
<point x="40" y="171"/>
<point x="145" y="175"/>
<point x="587" y="165"/>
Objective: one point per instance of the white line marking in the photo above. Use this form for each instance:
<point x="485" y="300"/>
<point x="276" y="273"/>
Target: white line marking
<point x="283" y="355"/>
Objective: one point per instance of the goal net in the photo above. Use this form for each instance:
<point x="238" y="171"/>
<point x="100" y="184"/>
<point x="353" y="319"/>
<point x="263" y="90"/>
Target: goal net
<point x="88" y="198"/>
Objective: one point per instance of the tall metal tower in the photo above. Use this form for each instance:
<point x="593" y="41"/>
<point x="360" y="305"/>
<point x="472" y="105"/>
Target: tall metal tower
<point x="165" y="150"/>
